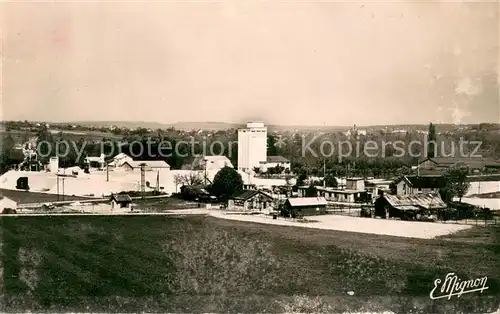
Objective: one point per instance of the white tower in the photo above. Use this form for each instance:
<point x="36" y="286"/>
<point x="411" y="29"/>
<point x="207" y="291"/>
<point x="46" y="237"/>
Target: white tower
<point x="252" y="146"/>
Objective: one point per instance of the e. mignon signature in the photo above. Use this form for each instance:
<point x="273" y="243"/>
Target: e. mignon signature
<point x="454" y="286"/>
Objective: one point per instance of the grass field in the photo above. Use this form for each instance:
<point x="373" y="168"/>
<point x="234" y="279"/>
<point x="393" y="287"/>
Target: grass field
<point x="205" y="264"/>
<point x="26" y="197"/>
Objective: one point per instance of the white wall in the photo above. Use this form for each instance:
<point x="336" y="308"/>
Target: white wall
<point x="252" y="146"/>
<point x="267" y="165"/>
<point x="54" y="164"/>
<point x="7" y="203"/>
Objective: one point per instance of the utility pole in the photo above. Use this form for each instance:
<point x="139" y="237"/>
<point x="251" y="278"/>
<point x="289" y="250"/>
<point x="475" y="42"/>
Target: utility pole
<point x="107" y="172"/>
<point x="57" y="176"/>
<point x="64" y="177"/>
<point x="324" y="173"/>
<point x="143" y="180"/>
<point x="204" y="159"/>
<point x="158" y="181"/>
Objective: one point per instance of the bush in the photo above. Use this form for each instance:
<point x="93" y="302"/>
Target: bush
<point x="7" y="211"/>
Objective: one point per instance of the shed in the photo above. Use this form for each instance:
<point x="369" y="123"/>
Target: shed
<point x="400" y="206"/>
<point x="251" y="200"/>
<point x="305" y="206"/>
<point x="408" y="185"/>
<point x="120" y="201"/>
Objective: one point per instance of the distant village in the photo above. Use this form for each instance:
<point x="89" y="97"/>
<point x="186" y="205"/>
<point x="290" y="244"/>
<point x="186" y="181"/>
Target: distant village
<point x="269" y="183"/>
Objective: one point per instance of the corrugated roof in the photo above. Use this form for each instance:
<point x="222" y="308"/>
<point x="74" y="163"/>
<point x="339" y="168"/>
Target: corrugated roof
<point x="421" y="200"/>
<point x="307" y="201"/>
<point x="407" y="207"/>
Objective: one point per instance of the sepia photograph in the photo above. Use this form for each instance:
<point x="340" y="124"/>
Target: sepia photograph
<point x="221" y="156"/>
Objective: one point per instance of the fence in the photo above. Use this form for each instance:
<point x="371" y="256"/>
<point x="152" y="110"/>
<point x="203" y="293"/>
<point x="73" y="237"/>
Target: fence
<point x="479" y="218"/>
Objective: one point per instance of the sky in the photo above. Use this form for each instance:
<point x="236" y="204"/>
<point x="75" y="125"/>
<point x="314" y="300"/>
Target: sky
<point x="281" y="62"/>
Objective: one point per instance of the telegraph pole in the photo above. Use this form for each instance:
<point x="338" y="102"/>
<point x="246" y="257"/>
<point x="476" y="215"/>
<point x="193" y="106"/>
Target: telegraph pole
<point x="324" y="173"/>
<point x="158" y="181"/>
<point x="205" y="171"/>
<point x="64" y="177"/>
<point x="107" y="172"/>
<point x="143" y="180"/>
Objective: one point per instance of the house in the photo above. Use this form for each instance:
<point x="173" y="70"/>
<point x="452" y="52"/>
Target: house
<point x="376" y="187"/>
<point x="355" y="184"/>
<point x="411" y="185"/>
<point x="342" y="195"/>
<point x="474" y="164"/>
<point x="304" y="206"/>
<point x="211" y="162"/>
<point x="273" y="162"/>
<point x="119" y="160"/>
<point x="362" y="132"/>
<point x="121" y="201"/>
<point x="149" y="165"/>
<point x="401" y="206"/>
<point x="251" y="200"/>
<point x="96" y="162"/>
<point x="6" y="204"/>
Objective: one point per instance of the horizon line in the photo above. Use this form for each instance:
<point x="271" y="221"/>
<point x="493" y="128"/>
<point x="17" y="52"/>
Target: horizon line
<point x="172" y="124"/>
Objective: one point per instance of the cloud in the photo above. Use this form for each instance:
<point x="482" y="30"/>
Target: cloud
<point x="468" y="87"/>
<point x="459" y="114"/>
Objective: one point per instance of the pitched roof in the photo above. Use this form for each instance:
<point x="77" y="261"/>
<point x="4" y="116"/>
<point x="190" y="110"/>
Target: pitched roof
<point x="307" y="201"/>
<point x="2" y="198"/>
<point x="277" y="159"/>
<point x="121" y="198"/>
<point x="473" y="162"/>
<point x="148" y="163"/>
<point x="218" y="160"/>
<point x="426" y="182"/>
<point x="247" y="194"/>
<point x="338" y="190"/>
<point x="427" y="201"/>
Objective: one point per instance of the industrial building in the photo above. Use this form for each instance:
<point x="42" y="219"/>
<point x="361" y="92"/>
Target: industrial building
<point x="252" y="146"/>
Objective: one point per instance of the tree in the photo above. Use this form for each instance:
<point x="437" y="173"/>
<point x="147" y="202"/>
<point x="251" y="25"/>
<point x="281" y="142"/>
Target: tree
<point x="177" y="181"/>
<point x="271" y="146"/>
<point x="311" y="191"/>
<point x="301" y="178"/>
<point x="226" y="182"/>
<point x="431" y="145"/>
<point x="279" y="169"/>
<point x="331" y="181"/>
<point x="190" y="178"/>
<point x="456" y="184"/>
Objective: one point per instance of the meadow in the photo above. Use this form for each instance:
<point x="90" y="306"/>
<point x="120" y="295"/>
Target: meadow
<point x="205" y="264"/>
